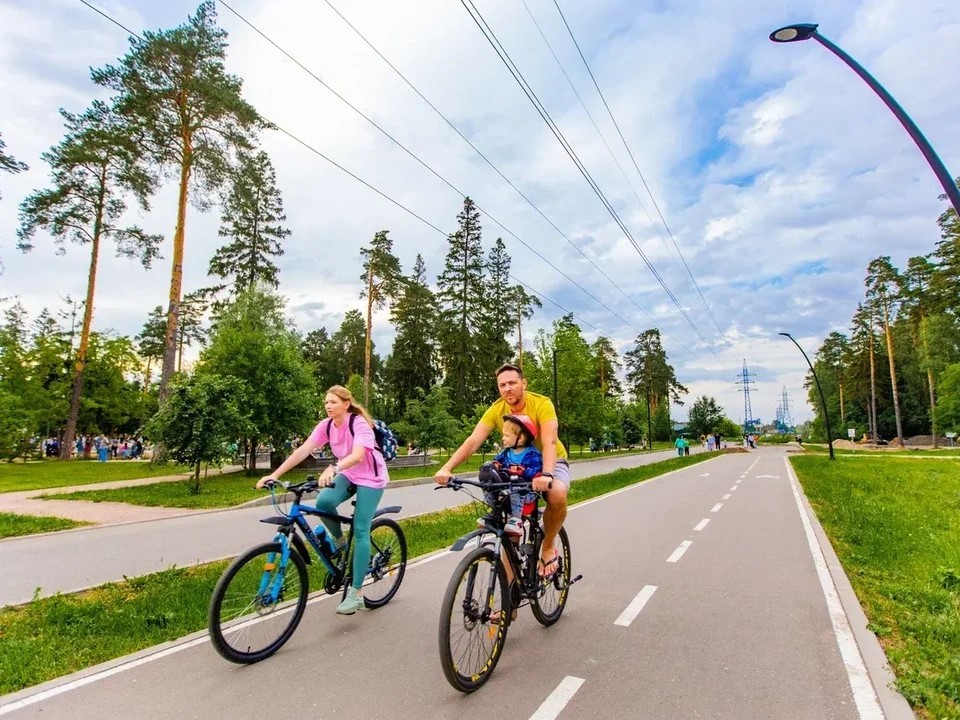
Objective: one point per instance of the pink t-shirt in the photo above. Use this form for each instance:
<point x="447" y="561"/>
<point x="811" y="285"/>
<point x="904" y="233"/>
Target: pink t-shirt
<point x="342" y="443"/>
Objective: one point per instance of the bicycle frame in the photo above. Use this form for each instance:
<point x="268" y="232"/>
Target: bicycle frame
<point x="286" y="535"/>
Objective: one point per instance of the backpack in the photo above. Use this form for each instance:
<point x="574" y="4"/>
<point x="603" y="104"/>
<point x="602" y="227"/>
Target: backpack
<point x="385" y="438"/>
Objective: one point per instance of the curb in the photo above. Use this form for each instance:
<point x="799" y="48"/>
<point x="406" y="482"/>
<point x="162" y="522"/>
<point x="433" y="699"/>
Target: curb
<point x="893" y="704"/>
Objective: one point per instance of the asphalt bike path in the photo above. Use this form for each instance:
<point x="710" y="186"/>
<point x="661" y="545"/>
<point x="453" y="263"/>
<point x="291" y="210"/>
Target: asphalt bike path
<point x="675" y="618"/>
<point x="78" y="559"/>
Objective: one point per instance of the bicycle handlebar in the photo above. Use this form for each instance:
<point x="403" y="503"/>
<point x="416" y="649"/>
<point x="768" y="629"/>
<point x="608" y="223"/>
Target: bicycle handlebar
<point x="457" y="483"/>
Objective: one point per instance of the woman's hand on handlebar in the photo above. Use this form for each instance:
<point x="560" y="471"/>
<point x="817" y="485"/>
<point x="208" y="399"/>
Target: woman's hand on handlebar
<point x="442" y="476"/>
<point x="266" y="481"/>
<point x="541" y="483"/>
<point x="326" y="477"/>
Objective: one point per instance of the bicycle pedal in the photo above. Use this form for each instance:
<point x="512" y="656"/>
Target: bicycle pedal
<point x="578" y="578"/>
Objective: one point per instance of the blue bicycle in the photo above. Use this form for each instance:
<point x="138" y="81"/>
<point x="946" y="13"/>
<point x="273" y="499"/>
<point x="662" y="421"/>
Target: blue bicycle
<point x="260" y="598"/>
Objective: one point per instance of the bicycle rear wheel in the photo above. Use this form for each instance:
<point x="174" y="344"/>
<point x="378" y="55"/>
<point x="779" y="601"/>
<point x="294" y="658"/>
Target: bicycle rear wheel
<point x="388" y="562"/>
<point x="470" y="644"/>
<point x="257" y="604"/>
<point x="548" y="605"/>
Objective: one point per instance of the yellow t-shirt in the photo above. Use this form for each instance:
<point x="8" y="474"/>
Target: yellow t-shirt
<point x="538" y="408"/>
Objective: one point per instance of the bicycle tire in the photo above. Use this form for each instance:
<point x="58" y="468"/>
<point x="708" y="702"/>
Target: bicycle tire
<point x="389" y="546"/>
<point x="467" y="614"/>
<point x="233" y="636"/>
<point x="549" y="603"/>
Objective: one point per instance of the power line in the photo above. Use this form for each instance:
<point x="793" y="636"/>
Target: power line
<point x="497" y="170"/>
<point x="368" y="185"/>
<point x="504" y="56"/>
<point x="596" y="127"/>
<point x="635" y="166"/>
<point x="427" y="166"/>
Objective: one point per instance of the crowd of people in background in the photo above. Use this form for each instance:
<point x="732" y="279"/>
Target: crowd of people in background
<point x="122" y="447"/>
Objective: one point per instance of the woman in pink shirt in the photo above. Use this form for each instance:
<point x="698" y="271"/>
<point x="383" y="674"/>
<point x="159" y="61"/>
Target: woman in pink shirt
<point x="360" y="469"/>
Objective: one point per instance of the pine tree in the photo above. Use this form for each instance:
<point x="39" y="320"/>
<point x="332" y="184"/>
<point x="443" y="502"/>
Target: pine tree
<point x="252" y="218"/>
<point x="882" y="283"/>
<point x="381" y="278"/>
<point x="498" y="318"/>
<point x="521" y="305"/>
<point x="349" y="342"/>
<point x="607" y="364"/>
<point x="149" y="342"/>
<point x="411" y="368"/>
<point x="461" y="299"/>
<point x="652" y="379"/>
<point x="92" y="169"/>
<point x="187" y="115"/>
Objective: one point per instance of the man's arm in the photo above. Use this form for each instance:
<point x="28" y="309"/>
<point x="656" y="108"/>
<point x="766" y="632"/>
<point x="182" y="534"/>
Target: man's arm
<point x="548" y="437"/>
<point x="480" y="433"/>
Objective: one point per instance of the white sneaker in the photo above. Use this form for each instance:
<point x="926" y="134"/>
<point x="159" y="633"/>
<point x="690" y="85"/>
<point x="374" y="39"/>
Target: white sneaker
<point x="351" y="603"/>
<point x="514" y="528"/>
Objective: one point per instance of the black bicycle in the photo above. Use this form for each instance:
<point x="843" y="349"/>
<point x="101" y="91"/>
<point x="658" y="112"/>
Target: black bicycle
<point x="260" y="598"/>
<point x="479" y="605"/>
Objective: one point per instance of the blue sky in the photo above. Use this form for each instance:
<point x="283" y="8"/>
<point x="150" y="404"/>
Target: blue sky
<point x="777" y="170"/>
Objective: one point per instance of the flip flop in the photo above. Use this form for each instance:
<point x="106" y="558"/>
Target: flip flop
<point x="554" y="561"/>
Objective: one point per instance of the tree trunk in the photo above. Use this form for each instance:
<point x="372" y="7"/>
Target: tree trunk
<point x="873" y="388"/>
<point x="69" y="434"/>
<point x="520" y="337"/>
<point x="933" y="410"/>
<point x="933" y="395"/>
<point x="252" y="465"/>
<point x="843" y="419"/>
<point x="181" y="334"/>
<point x="368" y="344"/>
<point x="893" y="374"/>
<point x="176" y="275"/>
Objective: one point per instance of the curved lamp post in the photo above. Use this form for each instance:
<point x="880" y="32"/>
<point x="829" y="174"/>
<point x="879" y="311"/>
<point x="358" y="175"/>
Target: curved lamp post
<point x="805" y="31"/>
<point x="823" y="400"/>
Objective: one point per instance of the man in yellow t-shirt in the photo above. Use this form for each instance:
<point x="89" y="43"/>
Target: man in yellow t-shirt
<point x="554" y="481"/>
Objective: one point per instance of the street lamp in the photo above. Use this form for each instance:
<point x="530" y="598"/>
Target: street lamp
<point x="805" y="31"/>
<point x="823" y="400"/>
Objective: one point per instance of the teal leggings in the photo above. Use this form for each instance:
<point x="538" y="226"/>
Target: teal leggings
<point x="368" y="498"/>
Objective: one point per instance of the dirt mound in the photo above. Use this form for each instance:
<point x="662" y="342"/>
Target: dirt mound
<point x="925" y="441"/>
<point x="849" y="445"/>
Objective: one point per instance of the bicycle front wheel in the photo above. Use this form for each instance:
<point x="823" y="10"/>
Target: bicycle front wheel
<point x="551" y="597"/>
<point x="474" y="619"/>
<point x="388" y="562"/>
<point x="257" y="604"/>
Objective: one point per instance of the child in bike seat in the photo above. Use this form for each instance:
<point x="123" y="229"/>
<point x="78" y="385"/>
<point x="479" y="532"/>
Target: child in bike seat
<point x="519" y="457"/>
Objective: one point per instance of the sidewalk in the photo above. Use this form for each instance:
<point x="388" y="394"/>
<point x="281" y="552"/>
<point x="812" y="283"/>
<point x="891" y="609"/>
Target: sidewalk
<point x="98" y="513"/>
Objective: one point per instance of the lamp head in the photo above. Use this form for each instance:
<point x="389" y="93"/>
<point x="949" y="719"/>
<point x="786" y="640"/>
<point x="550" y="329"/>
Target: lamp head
<point x="794" y="33"/>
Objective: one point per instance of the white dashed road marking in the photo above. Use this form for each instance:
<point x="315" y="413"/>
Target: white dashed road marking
<point x="635" y="606"/>
<point x="716" y="507"/>
<point x="678" y="553"/>
<point x="558" y="699"/>
<point x="701" y="525"/>
<point x="726" y="497"/>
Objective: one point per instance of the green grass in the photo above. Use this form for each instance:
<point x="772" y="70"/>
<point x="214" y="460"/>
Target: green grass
<point x="907" y="452"/>
<point x="61" y="473"/>
<point x="12" y="525"/>
<point x="51" y="637"/>
<point x="895" y="525"/>
<point x="219" y="491"/>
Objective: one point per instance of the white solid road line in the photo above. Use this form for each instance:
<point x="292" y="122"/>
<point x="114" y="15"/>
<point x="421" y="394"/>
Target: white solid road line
<point x="681" y="549"/>
<point x="558" y="699"/>
<point x="635" y="606"/>
<point x="716" y="507"/>
<point x="701" y="525"/>
<point x="868" y="706"/>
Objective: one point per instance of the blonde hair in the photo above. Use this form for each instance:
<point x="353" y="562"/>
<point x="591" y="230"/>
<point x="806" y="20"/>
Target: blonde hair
<point x="344" y="394"/>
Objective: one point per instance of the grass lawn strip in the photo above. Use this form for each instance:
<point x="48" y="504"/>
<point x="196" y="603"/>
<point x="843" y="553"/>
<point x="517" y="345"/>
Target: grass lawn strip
<point x="51" y="637"/>
<point x="13" y="525"/>
<point x="220" y="491"/>
<point x="895" y="525"/>
<point x="46" y="474"/>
